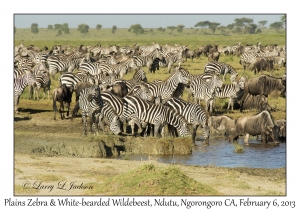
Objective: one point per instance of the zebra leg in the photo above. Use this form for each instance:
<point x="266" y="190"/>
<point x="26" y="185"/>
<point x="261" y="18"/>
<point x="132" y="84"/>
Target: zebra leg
<point x="17" y="99"/>
<point x="84" y="123"/>
<point x="195" y="126"/>
<point x="156" y="130"/>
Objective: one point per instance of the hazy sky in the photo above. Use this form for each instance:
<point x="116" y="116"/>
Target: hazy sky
<point x="126" y="20"/>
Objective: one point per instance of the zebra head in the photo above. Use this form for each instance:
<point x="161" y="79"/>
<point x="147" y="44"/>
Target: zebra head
<point x="181" y="78"/>
<point x="94" y="92"/>
<point x="217" y="82"/>
<point x="183" y="128"/>
<point x="145" y="92"/>
<point x="115" y="125"/>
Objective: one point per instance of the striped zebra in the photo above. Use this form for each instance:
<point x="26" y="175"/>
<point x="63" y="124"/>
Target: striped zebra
<point x="57" y="64"/>
<point x="164" y="90"/>
<point x="119" y="105"/>
<point x="102" y="51"/>
<point x="203" y="90"/>
<point x="20" y="83"/>
<point x="193" y="114"/>
<point x="71" y="79"/>
<point x="168" y="60"/>
<point x="249" y="57"/>
<point x="19" y="72"/>
<point x="221" y="68"/>
<point x="137" y="77"/>
<point x="122" y="68"/>
<point x="147" y="50"/>
<point x="145" y="112"/>
<point x="230" y="91"/>
<point x="147" y="60"/>
<point x="108" y="113"/>
<point x="42" y="81"/>
<point x="90" y="102"/>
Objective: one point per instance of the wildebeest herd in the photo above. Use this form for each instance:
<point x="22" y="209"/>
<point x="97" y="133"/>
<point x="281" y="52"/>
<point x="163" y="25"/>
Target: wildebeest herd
<point x="157" y="107"/>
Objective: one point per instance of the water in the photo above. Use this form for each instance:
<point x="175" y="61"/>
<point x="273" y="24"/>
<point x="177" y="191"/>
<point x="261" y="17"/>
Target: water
<point x="221" y="153"/>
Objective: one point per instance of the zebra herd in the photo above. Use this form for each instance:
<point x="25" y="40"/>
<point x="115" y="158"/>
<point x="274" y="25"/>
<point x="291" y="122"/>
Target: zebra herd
<point x="92" y="71"/>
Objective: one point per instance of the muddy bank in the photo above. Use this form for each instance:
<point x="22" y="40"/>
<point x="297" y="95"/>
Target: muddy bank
<point x="98" y="146"/>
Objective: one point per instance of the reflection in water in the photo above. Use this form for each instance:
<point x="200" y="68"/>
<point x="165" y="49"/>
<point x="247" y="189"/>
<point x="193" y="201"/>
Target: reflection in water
<point x="221" y="153"/>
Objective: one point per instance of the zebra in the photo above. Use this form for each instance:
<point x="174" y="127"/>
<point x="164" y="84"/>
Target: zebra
<point x="221" y="68"/>
<point x="147" y="60"/>
<point x="206" y="90"/>
<point x="19" y="72"/>
<point x="146" y="112"/>
<point x="164" y="90"/>
<point x="119" y="105"/>
<point x="168" y="60"/>
<point x="20" y="83"/>
<point x="248" y="57"/>
<point x="138" y="76"/>
<point x="90" y="102"/>
<point x="42" y="81"/>
<point x="119" y="69"/>
<point x="147" y="50"/>
<point x="57" y="64"/>
<point x="230" y="91"/>
<point x="193" y="113"/>
<point x="100" y="51"/>
<point x="108" y="113"/>
<point x="71" y="79"/>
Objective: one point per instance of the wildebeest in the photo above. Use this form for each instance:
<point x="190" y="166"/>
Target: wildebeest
<point x="279" y="130"/>
<point x="254" y="102"/>
<point x="221" y="123"/>
<point x="63" y="95"/>
<point x="119" y="89"/>
<point x="262" y="64"/>
<point x="214" y="56"/>
<point x="259" y="124"/>
<point x="187" y="53"/>
<point x="262" y="85"/>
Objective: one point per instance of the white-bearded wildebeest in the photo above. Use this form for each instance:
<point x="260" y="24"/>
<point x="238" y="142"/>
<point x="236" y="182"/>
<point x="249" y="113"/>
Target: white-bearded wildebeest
<point x="260" y="124"/>
<point x="63" y="95"/>
<point x="222" y="123"/>
<point x="262" y="85"/>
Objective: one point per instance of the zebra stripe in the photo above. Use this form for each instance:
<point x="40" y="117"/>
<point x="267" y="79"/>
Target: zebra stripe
<point x="203" y="90"/>
<point x="230" y="91"/>
<point x="90" y="103"/>
<point x="42" y="81"/>
<point x="147" y="60"/>
<point x="193" y="114"/>
<point x="165" y="89"/>
<point x="57" y="64"/>
<point x="221" y="68"/>
<point x="111" y="116"/>
<point x="142" y="111"/>
<point x="20" y="84"/>
<point x="70" y="79"/>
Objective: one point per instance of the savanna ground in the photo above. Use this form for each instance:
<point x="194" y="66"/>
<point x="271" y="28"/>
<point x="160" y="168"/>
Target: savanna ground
<point x="34" y="125"/>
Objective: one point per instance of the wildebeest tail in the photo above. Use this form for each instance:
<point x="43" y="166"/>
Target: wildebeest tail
<point x="75" y="110"/>
<point x="54" y="100"/>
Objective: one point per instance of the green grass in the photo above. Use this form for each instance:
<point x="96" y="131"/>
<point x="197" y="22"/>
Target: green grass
<point x="122" y="37"/>
<point x="152" y="180"/>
